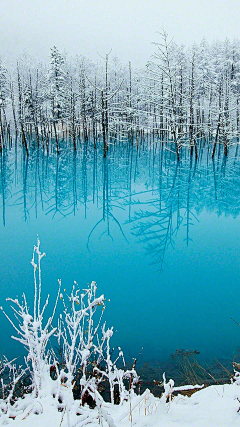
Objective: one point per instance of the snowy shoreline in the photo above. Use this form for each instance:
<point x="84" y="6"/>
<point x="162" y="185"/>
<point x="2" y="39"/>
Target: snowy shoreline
<point x="216" y="406"/>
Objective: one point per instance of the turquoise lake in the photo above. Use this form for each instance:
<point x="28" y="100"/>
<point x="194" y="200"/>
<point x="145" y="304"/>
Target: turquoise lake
<point x="160" y="238"/>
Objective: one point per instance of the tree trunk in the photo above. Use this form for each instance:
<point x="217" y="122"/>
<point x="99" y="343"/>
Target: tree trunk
<point x="56" y="137"/>
<point x="103" y="126"/>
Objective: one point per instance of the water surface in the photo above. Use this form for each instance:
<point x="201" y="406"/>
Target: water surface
<point x="161" y="240"/>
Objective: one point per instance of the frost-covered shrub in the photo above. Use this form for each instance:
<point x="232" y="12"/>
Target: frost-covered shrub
<point x="86" y="347"/>
<point x="31" y="329"/>
<point x="14" y="384"/>
<point x="81" y="368"/>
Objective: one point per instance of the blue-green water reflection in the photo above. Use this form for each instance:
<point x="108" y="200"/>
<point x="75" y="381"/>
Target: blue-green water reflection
<point x="161" y="240"/>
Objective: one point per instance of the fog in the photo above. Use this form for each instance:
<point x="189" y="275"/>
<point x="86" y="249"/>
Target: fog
<point x="96" y="26"/>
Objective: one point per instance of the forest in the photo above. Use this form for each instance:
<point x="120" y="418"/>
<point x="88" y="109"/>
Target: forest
<point x="181" y="96"/>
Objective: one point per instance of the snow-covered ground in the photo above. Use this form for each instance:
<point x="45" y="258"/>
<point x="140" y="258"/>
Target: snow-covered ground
<point x="214" y="406"/>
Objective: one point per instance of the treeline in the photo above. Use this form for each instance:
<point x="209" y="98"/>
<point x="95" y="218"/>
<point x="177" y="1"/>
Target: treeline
<point x="180" y="97"/>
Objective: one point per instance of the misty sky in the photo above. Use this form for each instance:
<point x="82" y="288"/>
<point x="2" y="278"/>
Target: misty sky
<point x="128" y="27"/>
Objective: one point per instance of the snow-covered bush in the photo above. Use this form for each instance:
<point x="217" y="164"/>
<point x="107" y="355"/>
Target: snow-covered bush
<point x="85" y="347"/>
<point x="84" y="361"/>
<point x="31" y="330"/>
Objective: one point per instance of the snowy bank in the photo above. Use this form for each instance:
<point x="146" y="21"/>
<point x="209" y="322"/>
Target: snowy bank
<point x="215" y="406"/>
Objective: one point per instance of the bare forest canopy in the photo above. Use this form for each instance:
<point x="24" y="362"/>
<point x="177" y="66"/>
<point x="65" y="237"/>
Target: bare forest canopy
<point x="181" y="96"/>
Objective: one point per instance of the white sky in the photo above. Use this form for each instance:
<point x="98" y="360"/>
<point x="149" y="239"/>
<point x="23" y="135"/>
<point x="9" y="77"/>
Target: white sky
<point x="126" y="26"/>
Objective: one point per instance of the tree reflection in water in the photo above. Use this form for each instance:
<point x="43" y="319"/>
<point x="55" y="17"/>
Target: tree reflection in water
<point x="157" y="194"/>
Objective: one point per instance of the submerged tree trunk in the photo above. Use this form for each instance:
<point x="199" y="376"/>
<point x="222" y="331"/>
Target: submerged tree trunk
<point x="191" y="127"/>
<point x="215" y="142"/>
<point x="1" y="131"/>
<point x="103" y="126"/>
<point x="56" y="137"/>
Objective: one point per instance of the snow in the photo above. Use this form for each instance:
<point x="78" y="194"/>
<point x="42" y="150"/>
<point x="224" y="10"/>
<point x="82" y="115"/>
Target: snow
<point x="215" y="406"/>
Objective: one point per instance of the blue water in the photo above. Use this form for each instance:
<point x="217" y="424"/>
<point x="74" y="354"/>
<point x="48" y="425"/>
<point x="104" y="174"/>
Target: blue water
<point x="161" y="241"/>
